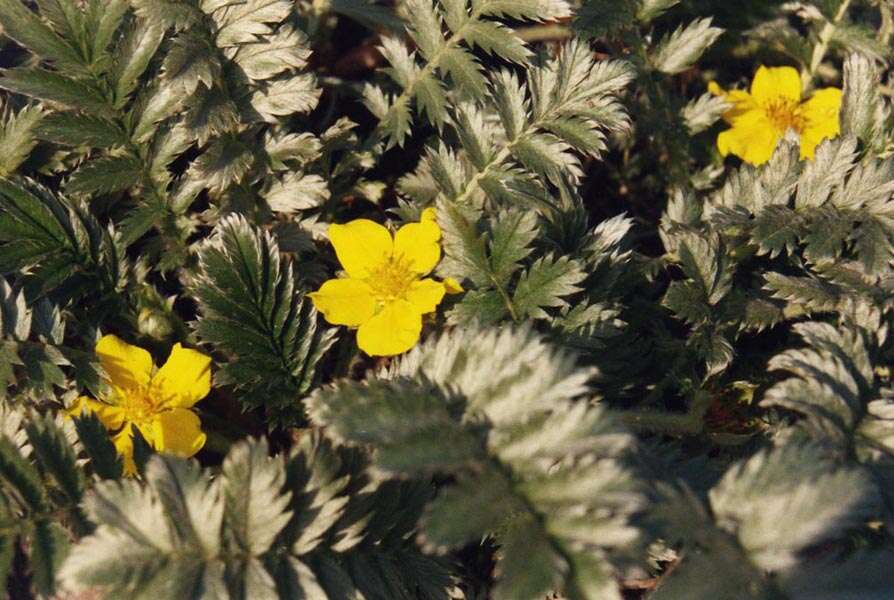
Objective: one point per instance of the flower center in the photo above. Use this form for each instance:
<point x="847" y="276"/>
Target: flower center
<point x="391" y="280"/>
<point x="785" y="114"/>
<point x="138" y="405"/>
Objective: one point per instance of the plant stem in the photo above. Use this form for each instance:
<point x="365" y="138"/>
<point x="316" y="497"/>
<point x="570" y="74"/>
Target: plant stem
<point x="692" y="422"/>
<point x="822" y="46"/>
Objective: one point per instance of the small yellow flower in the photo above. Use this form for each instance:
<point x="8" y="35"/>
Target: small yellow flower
<point x="384" y="293"/>
<point x="761" y="118"/>
<point x="158" y="403"/>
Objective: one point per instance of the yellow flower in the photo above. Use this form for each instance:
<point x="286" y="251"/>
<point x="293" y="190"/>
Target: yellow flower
<point x="761" y="118"/>
<point x="385" y="293"/>
<point x="158" y="403"/>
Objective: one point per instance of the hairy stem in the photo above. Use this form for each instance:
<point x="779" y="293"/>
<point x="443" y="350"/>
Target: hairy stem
<point x="822" y="46"/>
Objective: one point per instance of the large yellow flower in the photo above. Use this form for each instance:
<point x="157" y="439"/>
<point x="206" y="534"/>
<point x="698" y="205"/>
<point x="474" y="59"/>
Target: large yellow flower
<point x="157" y="402"/>
<point x="385" y="293"/>
<point x="761" y="118"/>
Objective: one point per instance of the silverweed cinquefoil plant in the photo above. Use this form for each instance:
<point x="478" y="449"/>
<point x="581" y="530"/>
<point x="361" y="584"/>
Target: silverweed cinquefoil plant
<point x="385" y="292"/>
<point x="773" y="107"/>
<point x="157" y="402"/>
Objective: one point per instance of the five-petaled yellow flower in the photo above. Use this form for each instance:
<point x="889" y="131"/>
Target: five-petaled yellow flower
<point x="761" y="118"/>
<point x="385" y="292"/>
<point x="157" y="402"/>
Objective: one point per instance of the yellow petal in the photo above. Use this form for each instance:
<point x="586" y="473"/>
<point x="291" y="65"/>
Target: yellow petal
<point x="774" y="83"/>
<point x="742" y="105"/>
<point x="418" y="244"/>
<point x="112" y="417"/>
<point x="429" y="215"/>
<point x="128" y="367"/>
<point x="394" y="330"/>
<point x="426" y="294"/>
<point x="345" y="301"/>
<point x="741" y="102"/>
<point x="753" y="140"/>
<point x="361" y="246"/>
<point x="821" y="119"/>
<point x="184" y="379"/>
<point x="123" y="442"/>
<point x="177" y="431"/>
<point x="452" y="286"/>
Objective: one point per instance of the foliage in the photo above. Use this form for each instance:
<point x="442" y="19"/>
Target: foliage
<point x="251" y="311"/>
<point x="666" y="375"/>
<point x="275" y="527"/>
<point x="499" y="439"/>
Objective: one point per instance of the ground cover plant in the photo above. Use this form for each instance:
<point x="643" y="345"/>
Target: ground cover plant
<point x="446" y="299"/>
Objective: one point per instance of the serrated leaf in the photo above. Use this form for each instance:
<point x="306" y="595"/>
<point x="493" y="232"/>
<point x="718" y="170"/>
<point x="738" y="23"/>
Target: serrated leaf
<point x="813" y="294"/>
<point x="431" y="99"/>
<point x="253" y="498"/>
<point x="650" y="9"/>
<point x="510" y="101"/>
<point x="546" y="284"/>
<point x="285" y="50"/>
<point x="464" y="71"/>
<point x="827" y="232"/>
<point x="190" y="502"/>
<point x="52" y="87"/>
<point x="223" y="164"/>
<point x="168" y="13"/>
<point x="80" y="130"/>
<point x="252" y="312"/>
<point x="548" y="156"/>
<point x="703" y="260"/>
<point x="486" y="307"/>
<point x="861" y="101"/>
<point x="531" y="568"/>
<point x="687" y="300"/>
<point x="285" y="97"/>
<point x="516" y="416"/>
<point x="22" y="25"/>
<point x="410" y="426"/>
<point x="96" y="443"/>
<point x="18" y="133"/>
<point x="682" y="49"/>
<point x="249" y="21"/>
<point x="496" y="38"/>
<point x="425" y="26"/>
<point x="833" y="161"/>
<point x="296" y="192"/>
<point x="872" y="244"/>
<point x="56" y="457"/>
<point x="104" y="19"/>
<point x="463" y="512"/>
<point x="703" y="112"/>
<point x="106" y="175"/>
<point x="531" y="10"/>
<point x="776" y="229"/>
<point x="134" y="53"/>
<point x="191" y="61"/>
<point x="780" y="501"/>
<point x="21" y="475"/>
<point x="512" y="233"/>
<point x="49" y="547"/>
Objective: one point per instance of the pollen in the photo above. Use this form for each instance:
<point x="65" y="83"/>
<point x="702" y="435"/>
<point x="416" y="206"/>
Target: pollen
<point x="391" y="280"/>
<point x="784" y="114"/>
<point x="138" y="405"/>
